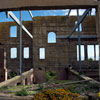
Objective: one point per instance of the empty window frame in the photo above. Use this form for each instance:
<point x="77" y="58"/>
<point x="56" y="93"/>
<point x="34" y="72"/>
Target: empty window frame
<point x="42" y="53"/>
<point x="26" y="52"/>
<point x="82" y="53"/>
<point x="80" y="27"/>
<point x="51" y="37"/>
<point x="13" y="53"/>
<point x="97" y="52"/>
<point x="90" y="51"/>
<point x="13" y="31"/>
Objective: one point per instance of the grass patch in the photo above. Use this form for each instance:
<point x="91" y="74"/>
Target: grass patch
<point x="23" y="92"/>
<point x="32" y="92"/>
<point x="3" y="88"/>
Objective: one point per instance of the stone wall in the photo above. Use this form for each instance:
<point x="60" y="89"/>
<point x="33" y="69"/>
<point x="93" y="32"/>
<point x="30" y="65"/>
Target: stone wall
<point x="59" y="55"/>
<point x="62" y="53"/>
<point x="13" y="42"/>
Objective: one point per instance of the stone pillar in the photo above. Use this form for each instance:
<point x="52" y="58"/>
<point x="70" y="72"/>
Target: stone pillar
<point x="39" y="76"/>
<point x="3" y="70"/>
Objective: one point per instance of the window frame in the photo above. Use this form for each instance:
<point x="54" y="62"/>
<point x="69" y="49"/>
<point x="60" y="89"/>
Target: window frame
<point x="15" y="53"/>
<point x="49" y="37"/>
<point x="44" y="54"/>
<point x="13" y="35"/>
<point x="24" y="53"/>
<point x="77" y="49"/>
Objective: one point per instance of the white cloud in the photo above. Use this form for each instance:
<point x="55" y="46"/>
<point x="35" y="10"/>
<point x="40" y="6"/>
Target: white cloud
<point x="81" y="11"/>
<point x="74" y="12"/>
<point x="93" y="11"/>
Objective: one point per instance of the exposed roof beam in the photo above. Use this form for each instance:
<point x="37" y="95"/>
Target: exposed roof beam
<point x="46" y="4"/>
<point x="10" y="13"/>
<point x="67" y="17"/>
<point x="30" y="13"/>
<point x="90" y="12"/>
<point x="75" y="37"/>
<point x="80" y="21"/>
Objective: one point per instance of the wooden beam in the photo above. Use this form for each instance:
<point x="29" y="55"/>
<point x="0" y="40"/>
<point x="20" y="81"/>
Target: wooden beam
<point x="10" y="13"/>
<point x="46" y="4"/>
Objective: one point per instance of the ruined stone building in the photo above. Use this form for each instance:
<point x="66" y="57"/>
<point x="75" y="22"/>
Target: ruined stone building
<point x="44" y="54"/>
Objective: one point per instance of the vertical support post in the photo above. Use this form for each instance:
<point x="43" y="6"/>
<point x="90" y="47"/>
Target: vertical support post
<point x="4" y="58"/>
<point x="86" y="56"/>
<point x="98" y="32"/>
<point x="94" y="52"/>
<point x="20" y="45"/>
<point x="79" y="43"/>
<point x="5" y="64"/>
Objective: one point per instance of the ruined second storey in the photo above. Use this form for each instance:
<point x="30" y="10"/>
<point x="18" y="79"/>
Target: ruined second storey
<point x="62" y="52"/>
<point x="49" y="49"/>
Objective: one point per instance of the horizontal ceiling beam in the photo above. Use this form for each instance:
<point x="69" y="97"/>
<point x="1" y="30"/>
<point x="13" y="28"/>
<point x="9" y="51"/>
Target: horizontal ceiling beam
<point x="10" y="14"/>
<point x="46" y="4"/>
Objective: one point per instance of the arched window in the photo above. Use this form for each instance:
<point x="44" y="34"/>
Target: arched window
<point x="51" y="37"/>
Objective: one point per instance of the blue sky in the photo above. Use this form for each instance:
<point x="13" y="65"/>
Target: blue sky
<point x="26" y="16"/>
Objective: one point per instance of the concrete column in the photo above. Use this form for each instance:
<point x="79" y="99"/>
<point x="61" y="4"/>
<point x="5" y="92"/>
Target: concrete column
<point x="3" y="70"/>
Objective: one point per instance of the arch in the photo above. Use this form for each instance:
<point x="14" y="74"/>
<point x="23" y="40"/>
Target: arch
<point x="51" y="37"/>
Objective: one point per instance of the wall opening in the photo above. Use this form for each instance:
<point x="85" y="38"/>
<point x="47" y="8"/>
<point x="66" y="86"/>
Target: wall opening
<point x="90" y="52"/>
<point x="13" y="31"/>
<point x="42" y="53"/>
<point x="80" y="27"/>
<point x="93" y="52"/>
<point x="82" y="53"/>
<point x="13" y="53"/>
<point x="51" y="37"/>
<point x="26" y="52"/>
<point x="97" y="52"/>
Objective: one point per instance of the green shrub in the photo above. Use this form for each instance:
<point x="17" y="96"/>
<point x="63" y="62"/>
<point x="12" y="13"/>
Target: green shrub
<point x="90" y="59"/>
<point x="41" y="87"/>
<point x="51" y="75"/>
<point x="23" y="92"/>
<point x="3" y="88"/>
<point x="12" y="74"/>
